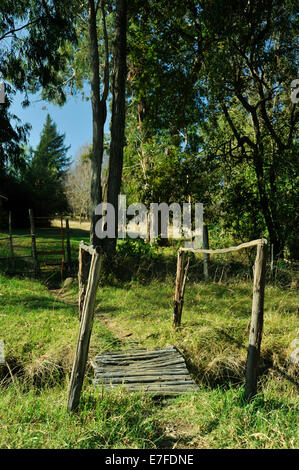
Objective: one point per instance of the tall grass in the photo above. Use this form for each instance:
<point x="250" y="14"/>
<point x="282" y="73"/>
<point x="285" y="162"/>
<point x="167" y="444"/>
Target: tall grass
<point x="33" y="419"/>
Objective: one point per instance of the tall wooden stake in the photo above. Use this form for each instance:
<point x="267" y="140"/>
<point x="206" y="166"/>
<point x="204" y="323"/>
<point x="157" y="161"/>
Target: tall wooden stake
<point x="178" y="287"/>
<point x="272" y="260"/>
<point x="80" y="361"/>
<point x="68" y="246"/>
<point x="183" y="292"/>
<point x="11" y="240"/>
<point x="206" y="256"/>
<point x="62" y="247"/>
<point x="82" y="278"/>
<point x="257" y="314"/>
<point x="33" y="242"/>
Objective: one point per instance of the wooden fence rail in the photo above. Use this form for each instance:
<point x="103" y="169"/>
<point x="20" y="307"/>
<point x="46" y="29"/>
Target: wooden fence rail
<point x="250" y="244"/>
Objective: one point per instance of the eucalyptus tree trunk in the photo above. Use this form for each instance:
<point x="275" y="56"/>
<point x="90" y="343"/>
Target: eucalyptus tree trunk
<point x="118" y="113"/>
<point x="99" y="113"/>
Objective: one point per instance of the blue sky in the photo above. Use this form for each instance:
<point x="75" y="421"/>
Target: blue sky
<point x="74" y="119"/>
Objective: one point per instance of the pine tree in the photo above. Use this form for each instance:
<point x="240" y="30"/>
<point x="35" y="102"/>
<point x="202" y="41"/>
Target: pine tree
<point x="47" y="171"/>
<point x="51" y="154"/>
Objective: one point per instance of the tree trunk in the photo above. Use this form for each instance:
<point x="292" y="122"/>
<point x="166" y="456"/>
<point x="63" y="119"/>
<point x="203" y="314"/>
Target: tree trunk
<point x="118" y="115"/>
<point x="98" y="120"/>
<point x="266" y="209"/>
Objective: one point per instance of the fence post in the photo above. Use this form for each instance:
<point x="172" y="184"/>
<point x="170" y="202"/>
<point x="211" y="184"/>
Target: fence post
<point x="11" y="240"/>
<point x="183" y="292"/>
<point x="178" y="287"/>
<point x="62" y="247"/>
<point x="82" y="278"/>
<point x="256" y="326"/>
<point x="81" y="355"/>
<point x="33" y="242"/>
<point x="272" y="260"/>
<point x="206" y="256"/>
<point x="68" y="246"/>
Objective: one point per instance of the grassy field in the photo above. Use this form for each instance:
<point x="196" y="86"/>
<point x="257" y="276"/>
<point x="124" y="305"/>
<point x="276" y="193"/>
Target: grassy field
<point x="39" y="326"/>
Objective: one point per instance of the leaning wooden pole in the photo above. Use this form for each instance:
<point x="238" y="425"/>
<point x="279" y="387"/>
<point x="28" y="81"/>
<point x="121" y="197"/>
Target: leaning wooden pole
<point x="183" y="291"/>
<point x="256" y="327"/>
<point x="82" y="278"/>
<point x="178" y="288"/>
<point x="81" y="355"/>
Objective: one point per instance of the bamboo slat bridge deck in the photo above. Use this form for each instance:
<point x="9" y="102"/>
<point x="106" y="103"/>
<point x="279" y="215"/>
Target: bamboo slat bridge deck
<point x="160" y="372"/>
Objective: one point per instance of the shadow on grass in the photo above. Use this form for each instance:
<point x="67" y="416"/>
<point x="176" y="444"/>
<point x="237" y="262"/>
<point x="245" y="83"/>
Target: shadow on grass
<point x="103" y="309"/>
<point x="39" y="303"/>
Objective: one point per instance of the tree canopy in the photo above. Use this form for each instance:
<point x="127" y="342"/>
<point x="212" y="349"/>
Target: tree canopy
<point x="216" y="77"/>
<point x="199" y="95"/>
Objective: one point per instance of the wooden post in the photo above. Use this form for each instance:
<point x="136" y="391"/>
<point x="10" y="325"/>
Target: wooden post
<point x="256" y="327"/>
<point x="272" y="260"/>
<point x="62" y="247"/>
<point x="80" y="361"/>
<point x="33" y="243"/>
<point x="178" y="286"/>
<point x="183" y="292"/>
<point x="68" y="246"/>
<point x="206" y="256"/>
<point x="82" y="278"/>
<point x="11" y="240"/>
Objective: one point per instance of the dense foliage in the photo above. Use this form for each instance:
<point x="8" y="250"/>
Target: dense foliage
<point x="209" y="115"/>
<point x="211" y="84"/>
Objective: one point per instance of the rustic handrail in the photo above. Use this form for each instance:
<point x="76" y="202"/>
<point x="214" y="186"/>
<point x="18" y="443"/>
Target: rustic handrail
<point x="89" y="248"/>
<point x="260" y="241"/>
<point x="257" y="312"/>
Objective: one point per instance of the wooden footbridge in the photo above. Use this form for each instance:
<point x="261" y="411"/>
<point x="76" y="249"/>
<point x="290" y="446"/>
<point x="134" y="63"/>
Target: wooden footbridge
<point x="159" y="372"/>
<point x="164" y="371"/>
